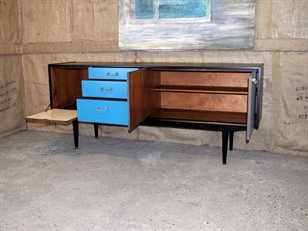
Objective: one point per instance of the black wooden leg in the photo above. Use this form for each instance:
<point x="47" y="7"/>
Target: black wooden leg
<point x="231" y="134"/>
<point x="224" y="146"/>
<point x="96" y="130"/>
<point x="76" y="133"/>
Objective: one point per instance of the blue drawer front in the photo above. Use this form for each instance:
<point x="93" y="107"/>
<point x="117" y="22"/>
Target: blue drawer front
<point x="112" y="73"/>
<point x="104" y="89"/>
<point x="102" y="111"/>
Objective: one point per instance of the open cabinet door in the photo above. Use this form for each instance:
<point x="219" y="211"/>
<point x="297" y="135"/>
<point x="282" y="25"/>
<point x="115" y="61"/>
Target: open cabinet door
<point x="139" y="97"/>
<point x="259" y="76"/>
<point x="251" y="105"/>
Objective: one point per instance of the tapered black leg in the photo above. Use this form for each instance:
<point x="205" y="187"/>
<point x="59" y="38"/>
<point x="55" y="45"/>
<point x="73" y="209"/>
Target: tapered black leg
<point x="231" y="134"/>
<point x="96" y="130"/>
<point x="224" y="146"/>
<point x="76" y="133"/>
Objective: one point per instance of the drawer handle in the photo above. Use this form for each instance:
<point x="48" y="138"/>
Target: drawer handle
<point x="104" y="109"/>
<point x="106" y="89"/>
<point x="112" y="74"/>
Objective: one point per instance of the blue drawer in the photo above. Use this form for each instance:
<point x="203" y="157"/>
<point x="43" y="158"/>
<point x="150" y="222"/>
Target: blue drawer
<point x="102" y="111"/>
<point x="110" y="73"/>
<point x="104" y="89"/>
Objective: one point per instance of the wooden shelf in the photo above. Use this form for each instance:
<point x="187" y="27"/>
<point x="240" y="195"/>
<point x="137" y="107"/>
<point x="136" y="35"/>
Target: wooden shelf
<point x="202" y="89"/>
<point x="212" y="116"/>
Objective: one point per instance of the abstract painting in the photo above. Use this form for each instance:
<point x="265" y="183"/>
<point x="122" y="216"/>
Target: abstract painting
<point x="186" y="24"/>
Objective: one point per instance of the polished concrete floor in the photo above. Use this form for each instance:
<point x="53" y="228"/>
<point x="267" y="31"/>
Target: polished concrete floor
<point x="112" y="184"/>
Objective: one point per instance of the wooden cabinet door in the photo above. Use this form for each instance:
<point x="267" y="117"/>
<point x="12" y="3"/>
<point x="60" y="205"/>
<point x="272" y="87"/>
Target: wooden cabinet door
<point x="259" y="97"/>
<point x="140" y="96"/>
<point x="251" y="105"/>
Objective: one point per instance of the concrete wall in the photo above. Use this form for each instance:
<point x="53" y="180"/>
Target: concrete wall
<point x="34" y="33"/>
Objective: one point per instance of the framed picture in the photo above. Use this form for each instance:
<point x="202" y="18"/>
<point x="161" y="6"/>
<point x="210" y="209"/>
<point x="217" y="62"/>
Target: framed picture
<point x="186" y="24"/>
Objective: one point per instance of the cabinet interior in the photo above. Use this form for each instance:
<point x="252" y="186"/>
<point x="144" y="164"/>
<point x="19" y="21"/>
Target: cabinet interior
<point x="198" y="95"/>
<point x="65" y="86"/>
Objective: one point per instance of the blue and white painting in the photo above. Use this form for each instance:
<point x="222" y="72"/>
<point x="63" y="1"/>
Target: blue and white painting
<point x="186" y="24"/>
<point x="164" y="9"/>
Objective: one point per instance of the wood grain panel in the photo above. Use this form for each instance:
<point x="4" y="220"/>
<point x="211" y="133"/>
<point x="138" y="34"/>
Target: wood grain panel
<point x="210" y="102"/>
<point x="141" y="99"/>
<point x="202" y="89"/>
<point x="207" y="116"/>
<point x="198" y="78"/>
<point x="66" y="86"/>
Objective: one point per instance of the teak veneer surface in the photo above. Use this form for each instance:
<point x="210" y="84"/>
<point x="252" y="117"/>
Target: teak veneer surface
<point x="202" y="89"/>
<point x="65" y="86"/>
<point x="199" y="78"/>
<point x="210" y="116"/>
<point x="208" y="102"/>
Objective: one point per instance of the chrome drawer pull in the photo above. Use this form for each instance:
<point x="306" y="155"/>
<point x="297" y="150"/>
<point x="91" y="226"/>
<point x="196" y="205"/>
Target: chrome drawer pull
<point x="105" y="109"/>
<point x="112" y="74"/>
<point x="106" y="89"/>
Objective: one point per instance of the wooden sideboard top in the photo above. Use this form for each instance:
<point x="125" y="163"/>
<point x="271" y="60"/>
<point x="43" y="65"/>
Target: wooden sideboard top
<point x="220" y="66"/>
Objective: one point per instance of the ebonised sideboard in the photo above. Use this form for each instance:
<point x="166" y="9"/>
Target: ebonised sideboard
<point x="217" y="97"/>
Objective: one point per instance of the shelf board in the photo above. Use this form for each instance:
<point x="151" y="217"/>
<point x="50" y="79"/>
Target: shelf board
<point x="213" y="116"/>
<point x="202" y="89"/>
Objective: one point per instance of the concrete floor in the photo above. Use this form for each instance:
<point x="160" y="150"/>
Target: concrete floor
<point x="112" y="184"/>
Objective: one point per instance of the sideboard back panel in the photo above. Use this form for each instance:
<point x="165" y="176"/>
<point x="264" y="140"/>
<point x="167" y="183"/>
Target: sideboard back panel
<point x="65" y="86"/>
<point x="198" y="78"/>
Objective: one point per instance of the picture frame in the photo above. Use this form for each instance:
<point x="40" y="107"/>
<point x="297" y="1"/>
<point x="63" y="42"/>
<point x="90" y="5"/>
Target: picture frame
<point x="186" y="24"/>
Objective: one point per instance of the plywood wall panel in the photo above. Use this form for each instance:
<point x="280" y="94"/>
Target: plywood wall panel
<point x="9" y="22"/>
<point x="95" y="20"/>
<point x="12" y="98"/>
<point x="281" y="25"/>
<point x="290" y="101"/>
<point x="46" y="21"/>
<point x="289" y="19"/>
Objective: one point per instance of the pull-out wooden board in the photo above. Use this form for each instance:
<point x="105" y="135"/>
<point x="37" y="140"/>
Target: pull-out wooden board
<point x="59" y="116"/>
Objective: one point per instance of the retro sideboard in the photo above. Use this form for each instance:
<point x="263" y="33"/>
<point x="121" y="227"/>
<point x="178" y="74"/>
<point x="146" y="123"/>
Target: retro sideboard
<point x="217" y="97"/>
